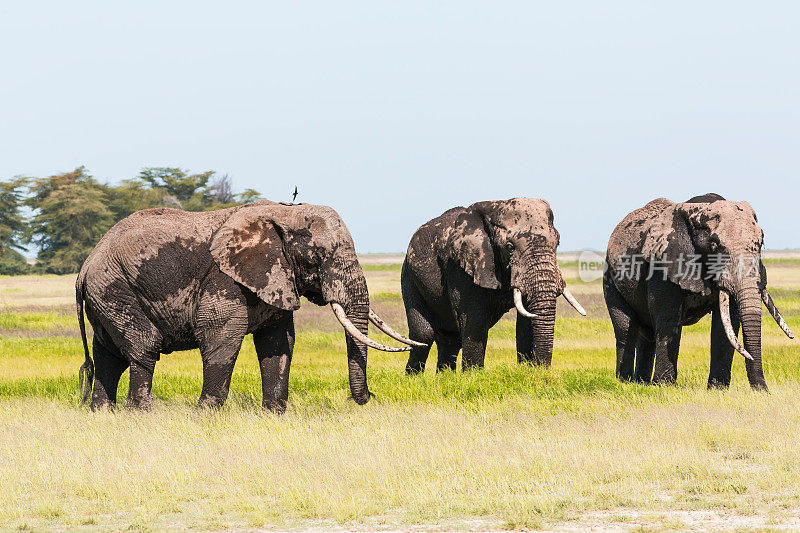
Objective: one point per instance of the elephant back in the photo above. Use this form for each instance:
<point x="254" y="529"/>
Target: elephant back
<point x="629" y="236"/>
<point x="429" y="243"/>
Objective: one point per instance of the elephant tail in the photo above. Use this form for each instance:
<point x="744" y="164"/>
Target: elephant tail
<point x="86" y="372"/>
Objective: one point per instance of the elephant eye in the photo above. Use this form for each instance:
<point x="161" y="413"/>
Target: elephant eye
<point x="509" y="246"/>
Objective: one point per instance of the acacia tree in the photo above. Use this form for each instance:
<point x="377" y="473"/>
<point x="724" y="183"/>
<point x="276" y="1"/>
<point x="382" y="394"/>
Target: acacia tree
<point x="202" y="191"/>
<point x="70" y="216"/>
<point x="248" y="196"/>
<point x="12" y="226"/>
<point x="191" y="191"/>
<point x="134" y="195"/>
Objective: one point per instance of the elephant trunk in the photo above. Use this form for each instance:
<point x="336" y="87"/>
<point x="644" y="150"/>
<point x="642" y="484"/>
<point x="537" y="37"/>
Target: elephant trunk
<point x="539" y="284"/>
<point x="747" y="297"/>
<point x="725" y="317"/>
<point x="748" y="300"/>
<point x="357" y="354"/>
<point x="355" y="307"/>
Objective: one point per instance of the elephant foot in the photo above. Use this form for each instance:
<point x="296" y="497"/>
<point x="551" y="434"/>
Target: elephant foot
<point x="210" y="402"/>
<point x="102" y="405"/>
<point x="716" y="384"/>
<point x="140" y="404"/>
<point x="663" y="382"/>
<point x="625" y="377"/>
<point x="362" y="399"/>
<point x="274" y="406"/>
<point x="533" y="361"/>
<point x="414" y="370"/>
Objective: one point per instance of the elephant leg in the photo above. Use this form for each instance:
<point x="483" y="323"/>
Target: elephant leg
<point x="474" y="350"/>
<point x="626" y="329"/>
<point x="417" y="358"/>
<point x="719" y="376"/>
<point x="218" y="362"/>
<point x="667" y="345"/>
<point x="109" y="364"/>
<point x="665" y="303"/>
<point x="420" y="326"/>
<point x="645" y="357"/>
<point x="274" y="347"/>
<point x="137" y="340"/>
<point x="447" y="347"/>
<point x="140" y="389"/>
<point x="219" y="337"/>
<point x="473" y="342"/>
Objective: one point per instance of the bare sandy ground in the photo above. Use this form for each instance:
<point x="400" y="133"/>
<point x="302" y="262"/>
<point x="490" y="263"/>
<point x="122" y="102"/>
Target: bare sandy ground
<point x="618" y="520"/>
<point x="625" y="520"/>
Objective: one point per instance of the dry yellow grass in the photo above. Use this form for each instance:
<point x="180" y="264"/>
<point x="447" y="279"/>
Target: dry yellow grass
<point x="46" y="291"/>
<point x="513" y="466"/>
<point x="511" y="446"/>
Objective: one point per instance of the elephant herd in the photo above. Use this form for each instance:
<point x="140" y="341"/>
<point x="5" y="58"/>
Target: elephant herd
<point x="163" y="280"/>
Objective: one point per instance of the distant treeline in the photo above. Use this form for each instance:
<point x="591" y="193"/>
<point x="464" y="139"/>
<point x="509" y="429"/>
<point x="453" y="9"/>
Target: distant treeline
<point x="65" y="215"/>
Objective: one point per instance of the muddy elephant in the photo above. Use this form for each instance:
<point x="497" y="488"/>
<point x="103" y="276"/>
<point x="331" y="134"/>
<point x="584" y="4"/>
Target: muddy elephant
<point x="163" y="280"/>
<point x="668" y="265"/>
<point x="466" y="268"/>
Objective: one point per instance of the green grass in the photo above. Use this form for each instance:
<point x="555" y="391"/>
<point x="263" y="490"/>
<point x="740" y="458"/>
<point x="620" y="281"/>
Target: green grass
<point x="512" y="446"/>
<point x="37" y="321"/>
<point x="382" y="267"/>
<point x="386" y="296"/>
<point x="784" y="261"/>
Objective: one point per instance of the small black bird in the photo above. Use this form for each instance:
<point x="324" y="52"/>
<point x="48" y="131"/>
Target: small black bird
<point x="295" y="193"/>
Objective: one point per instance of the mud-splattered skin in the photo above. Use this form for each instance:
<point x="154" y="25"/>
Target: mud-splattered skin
<point x="648" y="314"/>
<point x="459" y="273"/>
<point x="163" y="280"/>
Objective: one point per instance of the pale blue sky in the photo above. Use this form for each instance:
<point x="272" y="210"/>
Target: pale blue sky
<point x="394" y="112"/>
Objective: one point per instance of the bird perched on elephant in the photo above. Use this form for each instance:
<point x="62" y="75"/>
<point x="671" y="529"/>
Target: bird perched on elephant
<point x="668" y="265"/>
<point x="163" y="280"/>
<point x="466" y="268"/>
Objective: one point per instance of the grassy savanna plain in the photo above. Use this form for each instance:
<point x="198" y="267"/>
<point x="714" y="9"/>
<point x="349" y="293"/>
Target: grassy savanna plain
<point x="567" y="447"/>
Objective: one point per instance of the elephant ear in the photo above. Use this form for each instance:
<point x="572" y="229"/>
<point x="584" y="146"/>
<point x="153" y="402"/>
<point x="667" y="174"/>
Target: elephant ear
<point x="669" y="249"/>
<point x="471" y="246"/>
<point x="249" y="248"/>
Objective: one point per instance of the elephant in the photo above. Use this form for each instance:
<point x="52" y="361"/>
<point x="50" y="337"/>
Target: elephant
<point x="163" y="279"/>
<point x="668" y="265"/>
<point x="466" y="268"/>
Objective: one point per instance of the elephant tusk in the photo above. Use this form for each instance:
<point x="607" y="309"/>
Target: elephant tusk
<point x="353" y="331"/>
<point x="773" y="310"/>
<point x="725" y="316"/>
<point x="384" y="327"/>
<point x="573" y="302"/>
<point x="518" y="304"/>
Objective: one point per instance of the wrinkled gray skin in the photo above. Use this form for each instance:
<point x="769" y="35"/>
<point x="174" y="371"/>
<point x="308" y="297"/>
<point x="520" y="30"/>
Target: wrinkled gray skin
<point x="648" y="315"/>
<point x="163" y="280"/>
<point x="458" y="276"/>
